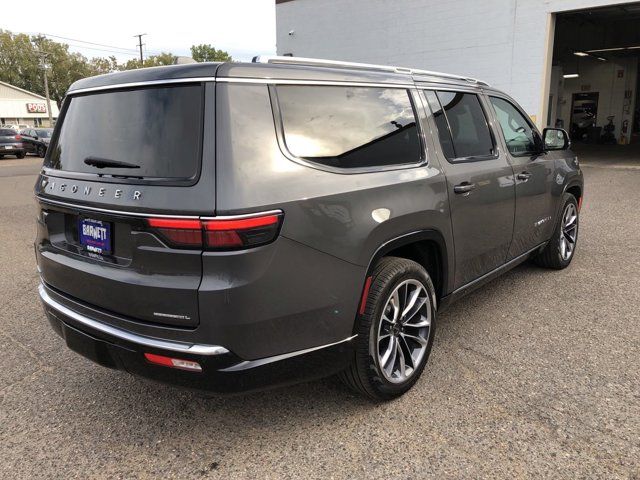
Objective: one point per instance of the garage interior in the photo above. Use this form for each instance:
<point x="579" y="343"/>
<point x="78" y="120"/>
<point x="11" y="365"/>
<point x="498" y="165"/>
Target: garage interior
<point x="594" y="81"/>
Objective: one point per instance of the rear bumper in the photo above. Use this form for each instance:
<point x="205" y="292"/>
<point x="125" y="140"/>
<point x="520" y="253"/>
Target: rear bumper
<point x="222" y="370"/>
<point x="12" y="150"/>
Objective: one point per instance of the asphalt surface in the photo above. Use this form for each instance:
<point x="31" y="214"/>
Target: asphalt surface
<point x="535" y="375"/>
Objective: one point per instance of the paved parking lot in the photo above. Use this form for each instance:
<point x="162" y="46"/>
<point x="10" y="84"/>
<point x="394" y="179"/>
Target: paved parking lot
<point x="535" y="375"/>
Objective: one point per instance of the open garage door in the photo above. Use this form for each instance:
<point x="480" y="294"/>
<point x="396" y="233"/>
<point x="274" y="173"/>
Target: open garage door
<point x="594" y="80"/>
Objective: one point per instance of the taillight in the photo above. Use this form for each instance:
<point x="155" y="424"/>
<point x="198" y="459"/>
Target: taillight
<point x="178" y="232"/>
<point x="18" y="137"/>
<point x="219" y="233"/>
<point x="241" y="232"/>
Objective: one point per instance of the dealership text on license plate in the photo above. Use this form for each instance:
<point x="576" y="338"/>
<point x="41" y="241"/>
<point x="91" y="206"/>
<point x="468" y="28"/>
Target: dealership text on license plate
<point x="95" y="235"/>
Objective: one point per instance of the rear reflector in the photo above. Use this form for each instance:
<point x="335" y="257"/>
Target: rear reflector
<point x="365" y="295"/>
<point x="173" y="362"/>
<point x="218" y="233"/>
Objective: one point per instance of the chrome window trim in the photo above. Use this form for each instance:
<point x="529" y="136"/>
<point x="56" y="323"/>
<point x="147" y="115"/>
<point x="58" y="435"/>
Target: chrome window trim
<point x="255" y="80"/>
<point x="142" y="84"/>
<point x="280" y="137"/>
<point x="285" y="81"/>
<point x="479" y="93"/>
<point x="143" y="341"/>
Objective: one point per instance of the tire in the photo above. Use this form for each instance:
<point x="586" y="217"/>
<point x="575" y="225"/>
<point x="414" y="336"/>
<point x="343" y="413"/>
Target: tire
<point x="41" y="151"/>
<point x="21" y="155"/>
<point x="367" y="374"/>
<point x="560" y="250"/>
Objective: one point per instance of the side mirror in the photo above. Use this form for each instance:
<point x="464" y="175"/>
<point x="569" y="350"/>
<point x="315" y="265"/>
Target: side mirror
<point x="556" y="139"/>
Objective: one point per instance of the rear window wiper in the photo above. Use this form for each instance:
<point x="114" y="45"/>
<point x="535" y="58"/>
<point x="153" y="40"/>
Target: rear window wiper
<point x="107" y="163"/>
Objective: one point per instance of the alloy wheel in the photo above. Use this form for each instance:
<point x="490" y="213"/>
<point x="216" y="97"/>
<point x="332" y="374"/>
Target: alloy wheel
<point x="569" y="231"/>
<point x="403" y="331"/>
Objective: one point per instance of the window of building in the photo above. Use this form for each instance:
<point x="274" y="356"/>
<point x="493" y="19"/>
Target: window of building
<point x="349" y="127"/>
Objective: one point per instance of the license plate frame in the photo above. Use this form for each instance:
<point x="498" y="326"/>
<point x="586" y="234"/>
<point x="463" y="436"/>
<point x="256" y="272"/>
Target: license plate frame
<point x="95" y="236"/>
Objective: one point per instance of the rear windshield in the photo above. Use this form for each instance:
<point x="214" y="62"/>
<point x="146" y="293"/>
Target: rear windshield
<point x="154" y="132"/>
<point x="6" y="132"/>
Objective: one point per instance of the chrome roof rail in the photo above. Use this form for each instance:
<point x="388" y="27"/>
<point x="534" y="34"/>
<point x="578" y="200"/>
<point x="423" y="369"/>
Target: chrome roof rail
<point x="319" y="62"/>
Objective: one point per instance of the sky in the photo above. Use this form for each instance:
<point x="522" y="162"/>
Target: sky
<point x="243" y="28"/>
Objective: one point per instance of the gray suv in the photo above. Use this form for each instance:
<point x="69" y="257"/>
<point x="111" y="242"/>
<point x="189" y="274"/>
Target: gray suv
<point x="232" y="226"/>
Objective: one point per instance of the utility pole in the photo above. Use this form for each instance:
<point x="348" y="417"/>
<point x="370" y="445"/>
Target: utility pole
<point x="140" y="44"/>
<point x="43" y="64"/>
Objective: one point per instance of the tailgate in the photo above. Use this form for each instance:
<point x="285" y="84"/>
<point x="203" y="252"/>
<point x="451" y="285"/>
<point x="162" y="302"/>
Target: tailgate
<point x="119" y="158"/>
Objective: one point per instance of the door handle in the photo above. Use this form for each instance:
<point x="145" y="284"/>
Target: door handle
<point x="464" y="188"/>
<point x="524" y="176"/>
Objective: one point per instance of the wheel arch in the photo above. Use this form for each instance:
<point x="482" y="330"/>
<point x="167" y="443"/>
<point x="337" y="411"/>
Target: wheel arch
<point x="426" y="247"/>
<point x="574" y="189"/>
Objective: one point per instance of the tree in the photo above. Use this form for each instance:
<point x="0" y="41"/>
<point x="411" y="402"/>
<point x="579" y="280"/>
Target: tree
<point x="207" y="53"/>
<point x="21" y="63"/>
<point x="163" y="58"/>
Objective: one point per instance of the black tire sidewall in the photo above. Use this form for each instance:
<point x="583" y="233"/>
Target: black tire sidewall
<point x="383" y="387"/>
<point x="567" y="199"/>
<point x="41" y="151"/>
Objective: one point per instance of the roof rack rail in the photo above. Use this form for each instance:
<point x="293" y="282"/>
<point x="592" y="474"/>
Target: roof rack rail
<point x="319" y="62"/>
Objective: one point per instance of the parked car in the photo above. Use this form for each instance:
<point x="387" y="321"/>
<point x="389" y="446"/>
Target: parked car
<point x="16" y="126"/>
<point x="288" y="219"/>
<point x="11" y="143"/>
<point x="36" y="140"/>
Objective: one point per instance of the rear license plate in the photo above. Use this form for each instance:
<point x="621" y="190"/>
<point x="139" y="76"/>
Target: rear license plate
<point x="95" y="235"/>
<point x="8" y="147"/>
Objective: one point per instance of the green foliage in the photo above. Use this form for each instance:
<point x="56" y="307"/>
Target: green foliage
<point x="153" y="61"/>
<point x="20" y="63"/>
<point x="207" y="53"/>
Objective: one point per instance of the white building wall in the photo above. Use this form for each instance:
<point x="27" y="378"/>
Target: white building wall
<point x="503" y="42"/>
<point x="13" y="105"/>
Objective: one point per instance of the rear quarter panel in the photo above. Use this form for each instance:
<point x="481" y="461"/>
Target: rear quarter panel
<point x="329" y="226"/>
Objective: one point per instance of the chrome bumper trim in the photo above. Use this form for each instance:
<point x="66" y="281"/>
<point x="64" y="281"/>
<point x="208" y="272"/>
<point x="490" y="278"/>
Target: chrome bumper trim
<point x="192" y="348"/>
<point x="247" y="364"/>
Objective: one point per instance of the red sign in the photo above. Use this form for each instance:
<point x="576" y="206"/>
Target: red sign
<point x="36" y="108"/>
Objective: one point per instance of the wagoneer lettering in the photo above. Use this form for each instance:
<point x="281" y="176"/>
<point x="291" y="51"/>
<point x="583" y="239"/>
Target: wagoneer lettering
<point x="232" y="226"/>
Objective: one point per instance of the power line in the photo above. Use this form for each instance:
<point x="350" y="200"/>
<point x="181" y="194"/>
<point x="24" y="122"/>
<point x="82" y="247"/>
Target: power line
<point x="132" y="51"/>
<point x="102" y="50"/>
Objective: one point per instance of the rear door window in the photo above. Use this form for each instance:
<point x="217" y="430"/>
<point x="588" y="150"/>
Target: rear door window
<point x="462" y="126"/>
<point x="156" y="132"/>
<point x="349" y="127"/>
